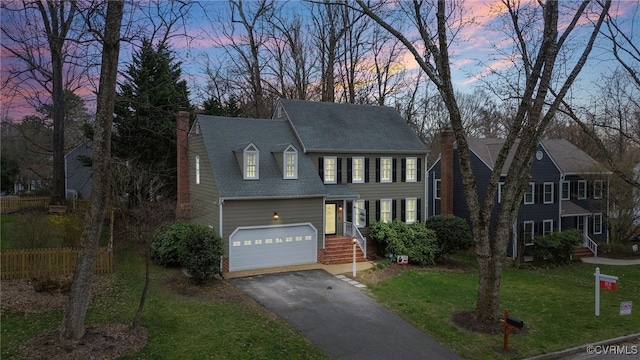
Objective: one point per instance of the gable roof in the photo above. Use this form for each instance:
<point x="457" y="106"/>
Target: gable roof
<point x="567" y="157"/>
<point x="224" y="136"/>
<point x="570" y="159"/>
<point x="336" y="127"/>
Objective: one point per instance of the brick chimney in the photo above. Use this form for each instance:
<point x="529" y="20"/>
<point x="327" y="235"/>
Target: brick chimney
<point x="183" y="210"/>
<point x="446" y="168"/>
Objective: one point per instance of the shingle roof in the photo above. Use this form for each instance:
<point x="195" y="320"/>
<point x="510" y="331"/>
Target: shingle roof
<point x="329" y="127"/>
<point x="225" y="135"/>
<point x="569" y="158"/>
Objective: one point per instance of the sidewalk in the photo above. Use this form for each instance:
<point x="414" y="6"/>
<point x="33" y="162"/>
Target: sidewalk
<point x="608" y="261"/>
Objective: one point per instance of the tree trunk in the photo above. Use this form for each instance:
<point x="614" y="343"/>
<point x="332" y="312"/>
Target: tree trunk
<point x="79" y="297"/>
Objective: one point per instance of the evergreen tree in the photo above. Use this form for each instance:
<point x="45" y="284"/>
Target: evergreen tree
<point x="145" y="124"/>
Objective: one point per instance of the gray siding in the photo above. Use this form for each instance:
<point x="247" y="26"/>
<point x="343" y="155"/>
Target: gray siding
<point x="255" y="212"/>
<point x="373" y="190"/>
<point x="204" y="196"/>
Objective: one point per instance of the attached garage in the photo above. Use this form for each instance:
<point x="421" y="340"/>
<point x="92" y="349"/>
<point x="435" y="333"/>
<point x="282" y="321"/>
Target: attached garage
<point x="259" y="247"/>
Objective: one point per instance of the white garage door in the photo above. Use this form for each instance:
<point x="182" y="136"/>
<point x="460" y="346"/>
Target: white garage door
<point x="269" y="246"/>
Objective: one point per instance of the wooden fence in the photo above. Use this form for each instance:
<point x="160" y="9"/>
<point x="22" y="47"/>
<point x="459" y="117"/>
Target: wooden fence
<point x="14" y="203"/>
<point x="24" y="263"/>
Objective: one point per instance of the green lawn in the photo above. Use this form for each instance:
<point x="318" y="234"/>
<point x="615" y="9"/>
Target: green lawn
<point x="557" y="306"/>
<point x="179" y="326"/>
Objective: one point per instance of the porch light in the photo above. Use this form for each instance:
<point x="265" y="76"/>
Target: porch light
<point x="340" y="208"/>
<point x="276" y="216"/>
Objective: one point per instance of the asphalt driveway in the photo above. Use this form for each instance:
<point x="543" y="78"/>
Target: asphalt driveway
<point x="341" y="320"/>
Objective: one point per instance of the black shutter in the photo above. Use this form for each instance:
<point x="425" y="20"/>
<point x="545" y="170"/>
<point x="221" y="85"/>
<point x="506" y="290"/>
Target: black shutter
<point x="418" y="210"/>
<point x="403" y="210"/>
<point x="394" y="164"/>
<point x="393" y="210"/>
<point x="349" y="211"/>
<point x="366" y="210"/>
<point x="419" y="170"/>
<point x="404" y="170"/>
<point x="321" y="168"/>
<point x="377" y="170"/>
<point x="366" y="170"/>
<point x="377" y="210"/>
<point x="349" y="170"/>
<point x="339" y="170"/>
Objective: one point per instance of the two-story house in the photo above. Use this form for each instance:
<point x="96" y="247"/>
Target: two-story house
<point x="568" y="190"/>
<point x="282" y="191"/>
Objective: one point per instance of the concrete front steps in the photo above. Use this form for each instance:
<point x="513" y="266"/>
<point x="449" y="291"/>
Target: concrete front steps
<point x="339" y="250"/>
<point x="581" y="252"/>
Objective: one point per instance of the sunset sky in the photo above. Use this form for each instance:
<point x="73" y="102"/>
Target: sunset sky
<point x="473" y="55"/>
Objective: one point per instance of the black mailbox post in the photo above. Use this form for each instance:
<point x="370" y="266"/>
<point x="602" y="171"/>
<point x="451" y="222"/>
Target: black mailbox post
<point x="510" y="324"/>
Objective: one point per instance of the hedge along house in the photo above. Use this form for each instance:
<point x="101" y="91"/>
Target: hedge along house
<point x="297" y="188"/>
<point x="568" y="190"/>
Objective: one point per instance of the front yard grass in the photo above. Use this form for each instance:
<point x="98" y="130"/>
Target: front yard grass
<point x="180" y="326"/>
<point x="557" y="306"/>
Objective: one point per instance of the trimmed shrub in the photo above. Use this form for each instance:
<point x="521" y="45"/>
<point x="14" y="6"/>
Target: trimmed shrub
<point x="200" y="252"/>
<point x="399" y="238"/>
<point x="452" y="232"/>
<point x="195" y="247"/>
<point x="164" y="247"/>
<point x="557" y="247"/>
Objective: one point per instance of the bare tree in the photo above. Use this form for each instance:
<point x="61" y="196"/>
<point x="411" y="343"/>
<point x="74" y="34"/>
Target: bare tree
<point x="45" y="37"/>
<point x="536" y="36"/>
<point x="73" y="322"/>
<point x="242" y="36"/>
<point x="330" y="26"/>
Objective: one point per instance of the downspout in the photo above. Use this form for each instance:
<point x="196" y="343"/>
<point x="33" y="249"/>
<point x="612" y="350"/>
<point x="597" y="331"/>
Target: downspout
<point x="562" y="177"/>
<point x="426" y="191"/>
<point x="608" y="188"/>
<point x="220" y="202"/>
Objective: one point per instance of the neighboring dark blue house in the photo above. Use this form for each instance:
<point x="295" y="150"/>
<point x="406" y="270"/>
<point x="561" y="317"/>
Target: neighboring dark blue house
<point x="568" y="190"/>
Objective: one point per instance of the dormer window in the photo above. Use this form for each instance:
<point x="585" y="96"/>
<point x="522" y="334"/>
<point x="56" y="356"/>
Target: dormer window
<point x="250" y="160"/>
<point x="290" y="161"/>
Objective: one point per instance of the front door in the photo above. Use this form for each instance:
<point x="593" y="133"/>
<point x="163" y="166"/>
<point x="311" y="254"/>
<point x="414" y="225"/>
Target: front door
<point x="330" y="219"/>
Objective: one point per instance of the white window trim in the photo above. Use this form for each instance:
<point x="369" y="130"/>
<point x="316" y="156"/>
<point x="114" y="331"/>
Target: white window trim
<point x="382" y="217"/>
<point x="500" y="186"/>
<point x="197" y="160"/>
<point x="414" y="178"/>
<point x="532" y="187"/>
<point x="407" y="211"/>
<point x="382" y="178"/>
<point x="582" y="194"/>
<point x="544" y="192"/>
<point x="597" y="192"/>
<point x="566" y="184"/>
<point x="358" y="204"/>
<point x="437" y="184"/>
<point x="246" y="153"/>
<point x="290" y="151"/>
<point x="353" y="172"/>
<point x="334" y="168"/>
<point x="531" y="224"/>
<point x="597" y="220"/>
<point x="545" y="223"/>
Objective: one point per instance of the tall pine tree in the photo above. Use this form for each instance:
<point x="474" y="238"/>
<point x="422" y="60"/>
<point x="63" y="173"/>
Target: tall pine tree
<point x="149" y="98"/>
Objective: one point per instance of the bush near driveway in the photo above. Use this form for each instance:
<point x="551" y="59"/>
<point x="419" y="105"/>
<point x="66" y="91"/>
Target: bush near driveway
<point x="413" y="240"/>
<point x="195" y="247"/>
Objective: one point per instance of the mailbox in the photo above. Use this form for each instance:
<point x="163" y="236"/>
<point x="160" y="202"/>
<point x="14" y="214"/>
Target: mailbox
<point x="515" y="322"/>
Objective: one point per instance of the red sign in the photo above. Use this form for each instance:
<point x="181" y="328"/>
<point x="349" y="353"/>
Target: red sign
<point x="608" y="284"/>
